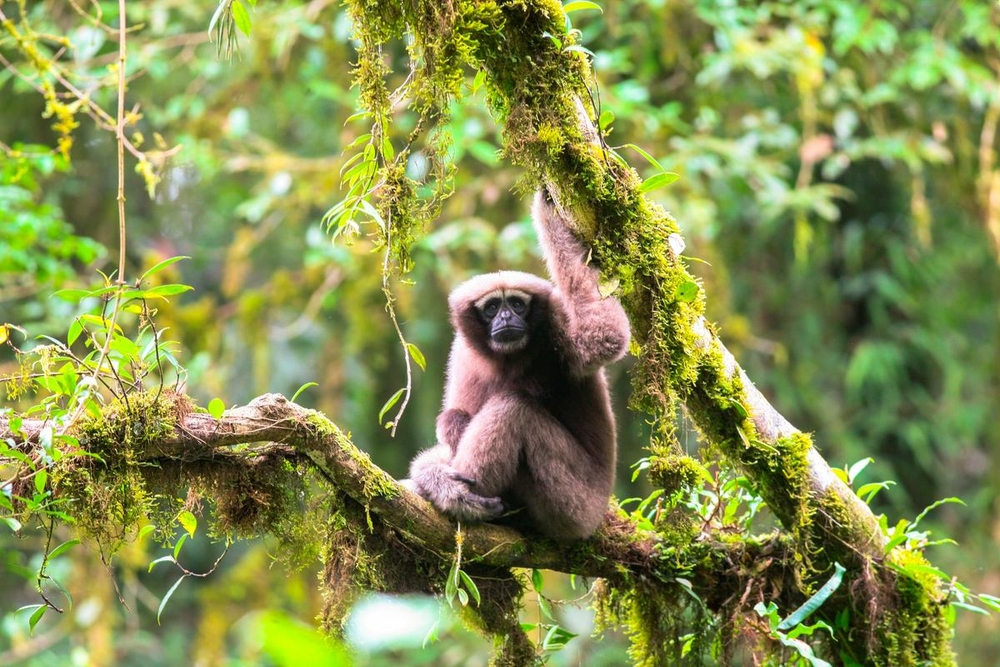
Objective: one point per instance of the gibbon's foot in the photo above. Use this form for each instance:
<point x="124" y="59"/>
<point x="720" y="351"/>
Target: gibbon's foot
<point x="448" y="490"/>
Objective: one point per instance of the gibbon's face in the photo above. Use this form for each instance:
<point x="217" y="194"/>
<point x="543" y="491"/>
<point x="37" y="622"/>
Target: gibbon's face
<point x="505" y="314"/>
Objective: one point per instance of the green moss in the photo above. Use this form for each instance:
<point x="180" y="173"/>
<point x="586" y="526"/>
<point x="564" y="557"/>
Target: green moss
<point x="913" y="628"/>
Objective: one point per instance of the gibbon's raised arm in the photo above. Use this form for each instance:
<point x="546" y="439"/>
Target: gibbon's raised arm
<point x="594" y="331"/>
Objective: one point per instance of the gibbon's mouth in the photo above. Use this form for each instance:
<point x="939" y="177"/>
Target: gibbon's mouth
<point x="508" y="335"/>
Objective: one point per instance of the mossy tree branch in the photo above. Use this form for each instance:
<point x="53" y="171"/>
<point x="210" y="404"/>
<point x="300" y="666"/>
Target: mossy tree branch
<point x="273" y="427"/>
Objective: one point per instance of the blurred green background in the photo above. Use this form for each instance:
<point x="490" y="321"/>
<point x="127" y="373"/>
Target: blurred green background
<point x="839" y="180"/>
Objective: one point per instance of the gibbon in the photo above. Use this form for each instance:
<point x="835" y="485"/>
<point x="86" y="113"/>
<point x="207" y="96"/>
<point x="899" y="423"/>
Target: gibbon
<point x="527" y="420"/>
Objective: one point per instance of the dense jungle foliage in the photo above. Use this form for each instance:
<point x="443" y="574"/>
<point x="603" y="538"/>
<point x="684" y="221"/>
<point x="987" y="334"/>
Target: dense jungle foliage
<point x="839" y="187"/>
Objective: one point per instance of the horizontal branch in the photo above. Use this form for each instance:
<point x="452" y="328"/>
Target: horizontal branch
<point x="618" y="548"/>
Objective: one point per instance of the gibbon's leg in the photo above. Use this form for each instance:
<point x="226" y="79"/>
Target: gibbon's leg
<point x="489" y="451"/>
<point x="433" y="477"/>
<point x="564" y="490"/>
<point x="513" y="444"/>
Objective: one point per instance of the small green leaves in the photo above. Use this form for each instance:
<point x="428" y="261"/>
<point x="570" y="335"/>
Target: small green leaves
<point x="216" y="408"/>
<point x="460" y="585"/>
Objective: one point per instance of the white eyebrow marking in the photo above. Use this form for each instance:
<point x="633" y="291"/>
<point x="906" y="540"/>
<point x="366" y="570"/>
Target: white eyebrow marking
<point x="503" y="294"/>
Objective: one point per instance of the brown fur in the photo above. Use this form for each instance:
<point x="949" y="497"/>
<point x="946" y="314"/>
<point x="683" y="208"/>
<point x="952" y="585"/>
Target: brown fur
<point x="531" y="428"/>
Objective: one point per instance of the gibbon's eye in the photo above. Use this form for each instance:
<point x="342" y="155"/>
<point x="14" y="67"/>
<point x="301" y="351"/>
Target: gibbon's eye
<point x="517" y="304"/>
<point x="491" y="308"/>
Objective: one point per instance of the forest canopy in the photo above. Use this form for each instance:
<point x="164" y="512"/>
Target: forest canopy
<point x="207" y="209"/>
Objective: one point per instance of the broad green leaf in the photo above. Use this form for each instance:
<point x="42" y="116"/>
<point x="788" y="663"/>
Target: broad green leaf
<point x="242" y="19"/>
<point x="188" y="521"/>
<point x="658" y="181"/>
<point x="686" y="292"/>
<point x="216" y="408"/>
<point x="536" y="575"/>
<point x="75" y="329"/>
<point x="604" y="121"/>
<point x="417" y="355"/>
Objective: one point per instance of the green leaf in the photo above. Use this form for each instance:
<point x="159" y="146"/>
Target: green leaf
<point x="417" y="355"/>
<point x="169" y="290"/>
<point x="163" y="602"/>
<point x="970" y="607"/>
<point x="188" y="521"/>
<point x="536" y="578"/>
<point x="302" y="389"/>
<point x="556" y="638"/>
<point x="606" y="286"/>
<point x="62" y="548"/>
<point x="604" y="121"/>
<point x="990" y="601"/>
<point x="649" y="158"/>
<point x="161" y="559"/>
<point x="658" y="181"/>
<point x="470" y="586"/>
<point x="159" y="266"/>
<point x="855" y="470"/>
<point x="816" y="601"/>
<point x="391" y="402"/>
<point x="75" y="329"/>
<point x="36" y="616"/>
<point x="216" y="408"/>
<point x="71" y="294"/>
<point x="180" y="543"/>
<point x="41" y="477"/>
<point x="934" y="505"/>
<point x="242" y="19"/>
<point x="578" y="5"/>
<point x="686" y="291"/>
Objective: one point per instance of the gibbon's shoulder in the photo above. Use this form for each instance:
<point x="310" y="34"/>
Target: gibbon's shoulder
<point x="472" y="289"/>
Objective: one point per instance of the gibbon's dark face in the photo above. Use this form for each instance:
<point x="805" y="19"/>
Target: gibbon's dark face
<point x="505" y="313"/>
